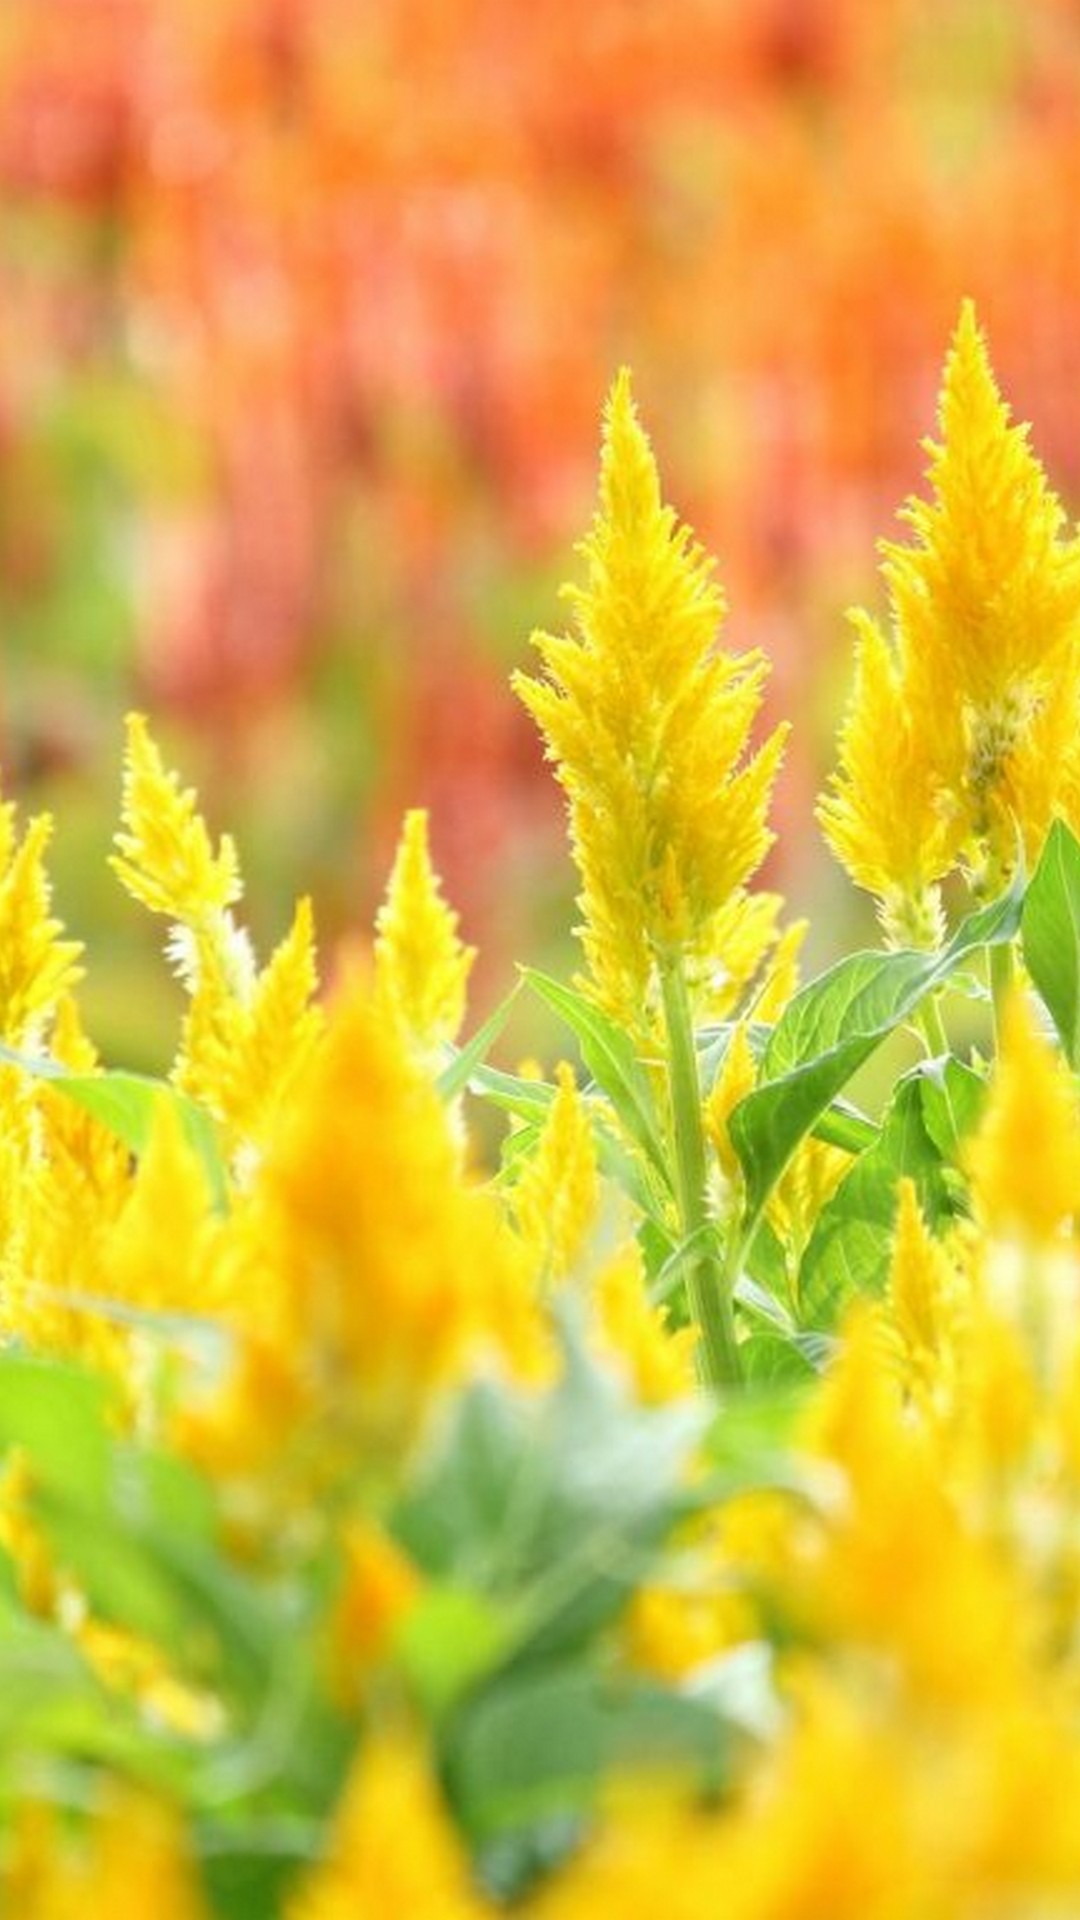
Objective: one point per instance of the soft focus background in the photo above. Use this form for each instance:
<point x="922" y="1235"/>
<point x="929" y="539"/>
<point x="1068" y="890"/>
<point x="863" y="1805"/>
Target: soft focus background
<point x="307" y="310"/>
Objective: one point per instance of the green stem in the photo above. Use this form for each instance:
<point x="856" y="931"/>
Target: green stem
<point x="933" y="1026"/>
<point x="707" y="1286"/>
<point x="1001" y="980"/>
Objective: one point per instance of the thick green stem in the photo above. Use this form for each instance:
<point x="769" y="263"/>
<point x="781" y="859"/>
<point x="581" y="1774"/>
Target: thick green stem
<point x="933" y="1026"/>
<point x="707" y="1286"/>
<point x="1001" y="980"/>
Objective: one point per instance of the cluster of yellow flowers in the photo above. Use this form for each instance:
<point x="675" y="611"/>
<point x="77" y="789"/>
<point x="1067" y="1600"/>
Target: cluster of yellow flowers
<point x="421" y="1446"/>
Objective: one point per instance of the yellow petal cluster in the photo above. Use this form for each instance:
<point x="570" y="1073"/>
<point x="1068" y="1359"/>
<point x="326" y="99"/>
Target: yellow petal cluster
<point x="393" y="1849"/>
<point x="961" y="737"/>
<point x="246" y="1032"/>
<point x="647" y="722"/>
<point x="556" y="1194"/>
<point x="132" y="1862"/>
<point x="165" y="856"/>
<point x="37" y="967"/>
<point x="381" y="1270"/>
<point x="421" y="967"/>
<point x="1024" y="1161"/>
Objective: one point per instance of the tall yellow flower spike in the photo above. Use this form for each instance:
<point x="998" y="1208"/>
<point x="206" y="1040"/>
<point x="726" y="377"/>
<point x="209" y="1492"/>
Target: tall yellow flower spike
<point x="647" y="722"/>
<point x="381" y="1274"/>
<point x="134" y="1861"/>
<point x="36" y="967"/>
<point x="885" y="818"/>
<point x="246" y="1033"/>
<point x="421" y="967"/>
<point x="557" y="1191"/>
<point x="394" y="1850"/>
<point x="1024" y="1161"/>
<point x="164" y="854"/>
<point x="962" y="735"/>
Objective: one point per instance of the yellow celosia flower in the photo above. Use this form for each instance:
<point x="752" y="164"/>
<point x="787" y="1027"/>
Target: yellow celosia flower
<point x="742" y="935"/>
<point x="656" y="1851"/>
<point x="36" y="967"/>
<point x="242" y="1046"/>
<point x="556" y="1194"/>
<point x="421" y="967"/>
<point x="132" y="1861"/>
<point x="782" y="979"/>
<point x="925" y="1305"/>
<point x="807" y="1183"/>
<point x="165" y="856"/>
<point x="647" y="723"/>
<point x="887" y="820"/>
<point x="736" y="1078"/>
<point x="379" y="1272"/>
<point x="246" y="1033"/>
<point x="658" y="1358"/>
<point x="380" y="1587"/>
<point x="965" y="733"/>
<point x="1024" y="1160"/>
<point x="393" y="1850"/>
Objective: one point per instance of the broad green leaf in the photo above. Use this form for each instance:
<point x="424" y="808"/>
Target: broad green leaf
<point x="770" y="1358"/>
<point x="447" y="1642"/>
<point x="952" y="1100"/>
<point x="832" y="1027"/>
<point x="527" y="1100"/>
<point x="539" y="1744"/>
<point x="609" y="1056"/>
<point x="1051" y="934"/>
<point x="125" y="1103"/>
<point x="550" y="1507"/>
<point x="456" y="1076"/>
<point x="56" y="1415"/>
<point x="851" y="1245"/>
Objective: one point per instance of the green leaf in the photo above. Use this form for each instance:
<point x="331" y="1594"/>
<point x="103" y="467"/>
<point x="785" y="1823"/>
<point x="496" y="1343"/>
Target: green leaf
<point x="447" y="1642"/>
<point x="609" y="1056"/>
<point x="126" y="1103"/>
<point x="527" y="1100"/>
<point x="456" y="1076"/>
<point x="769" y="1359"/>
<point x="540" y="1744"/>
<point x="850" y="1248"/>
<point x="57" y="1415"/>
<point x="1051" y="935"/>
<point x="952" y="1100"/>
<point x="832" y="1027"/>
<point x="550" y="1507"/>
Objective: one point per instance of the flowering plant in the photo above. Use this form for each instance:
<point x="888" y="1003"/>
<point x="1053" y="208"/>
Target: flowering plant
<point x="701" y="1486"/>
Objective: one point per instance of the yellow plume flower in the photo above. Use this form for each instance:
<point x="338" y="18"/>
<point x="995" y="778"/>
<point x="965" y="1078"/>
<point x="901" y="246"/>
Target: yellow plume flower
<point x="246" y="1033"/>
<point x="421" y="967"/>
<point x="647" y="723"/>
<point x="736" y="1078"/>
<point x="781" y="982"/>
<point x="132" y="1861"/>
<point x="165" y="857"/>
<point x="381" y="1272"/>
<point x="244" y="1040"/>
<point x="658" y="1358"/>
<point x="1024" y="1160"/>
<point x="964" y="732"/>
<point x="36" y="966"/>
<point x="393" y="1849"/>
<point x="886" y="819"/>
<point x="380" y="1587"/>
<point x="556" y="1194"/>
<point x="925" y="1306"/>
